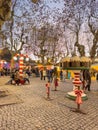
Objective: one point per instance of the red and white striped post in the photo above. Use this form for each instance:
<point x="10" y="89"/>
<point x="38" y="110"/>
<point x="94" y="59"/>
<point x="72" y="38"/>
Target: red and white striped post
<point x="21" y="62"/>
<point x="76" y="81"/>
<point x="21" y="65"/>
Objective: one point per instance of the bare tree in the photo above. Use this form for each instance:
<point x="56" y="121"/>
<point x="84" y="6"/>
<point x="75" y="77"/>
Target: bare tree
<point x="93" y="26"/>
<point x="73" y="19"/>
<point x="16" y="30"/>
<point x="5" y="7"/>
<point x="45" y="43"/>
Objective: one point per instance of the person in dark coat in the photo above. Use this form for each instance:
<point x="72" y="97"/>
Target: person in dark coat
<point x="84" y="79"/>
<point x="41" y="74"/>
<point x="61" y="75"/>
<point x="88" y="80"/>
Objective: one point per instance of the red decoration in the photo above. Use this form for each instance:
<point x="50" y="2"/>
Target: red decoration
<point x="78" y="98"/>
<point x="77" y="80"/>
<point x="48" y="89"/>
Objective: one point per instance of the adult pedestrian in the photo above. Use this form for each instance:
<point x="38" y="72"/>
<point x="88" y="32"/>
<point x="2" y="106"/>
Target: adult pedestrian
<point x="64" y="76"/>
<point x="41" y="74"/>
<point x="49" y="75"/>
<point x="61" y="75"/>
<point x="84" y="79"/>
<point x="44" y="74"/>
<point x="88" y="80"/>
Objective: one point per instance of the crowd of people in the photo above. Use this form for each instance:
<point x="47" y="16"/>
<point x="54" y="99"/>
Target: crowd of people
<point x="53" y="76"/>
<point x="16" y="79"/>
<point x="4" y="72"/>
<point x="85" y="77"/>
<point x="49" y="74"/>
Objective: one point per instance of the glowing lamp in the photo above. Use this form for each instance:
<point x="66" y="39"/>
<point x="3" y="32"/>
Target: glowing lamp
<point x="15" y="58"/>
<point x="27" y="59"/>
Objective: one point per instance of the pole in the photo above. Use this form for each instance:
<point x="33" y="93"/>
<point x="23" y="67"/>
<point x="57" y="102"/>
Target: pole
<point x="21" y="65"/>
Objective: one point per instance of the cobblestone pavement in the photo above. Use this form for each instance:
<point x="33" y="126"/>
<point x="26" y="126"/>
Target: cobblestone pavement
<point x="37" y="113"/>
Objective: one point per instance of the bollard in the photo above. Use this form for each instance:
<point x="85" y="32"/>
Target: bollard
<point x="48" y="89"/>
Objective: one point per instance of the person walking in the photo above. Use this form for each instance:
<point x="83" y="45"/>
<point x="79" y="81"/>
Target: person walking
<point x="41" y="74"/>
<point x="88" y="80"/>
<point x="49" y="75"/>
<point x="44" y="74"/>
<point x="61" y="75"/>
<point x="64" y="76"/>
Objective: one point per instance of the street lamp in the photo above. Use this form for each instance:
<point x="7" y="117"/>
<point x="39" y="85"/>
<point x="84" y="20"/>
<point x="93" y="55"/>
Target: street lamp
<point x="21" y="58"/>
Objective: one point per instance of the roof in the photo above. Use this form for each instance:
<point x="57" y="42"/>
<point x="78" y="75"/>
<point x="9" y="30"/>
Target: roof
<point x="85" y="59"/>
<point x="66" y="59"/>
<point x="75" y="58"/>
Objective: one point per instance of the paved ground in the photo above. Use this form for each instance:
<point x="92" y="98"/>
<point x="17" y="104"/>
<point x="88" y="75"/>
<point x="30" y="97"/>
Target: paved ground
<point x="37" y="113"/>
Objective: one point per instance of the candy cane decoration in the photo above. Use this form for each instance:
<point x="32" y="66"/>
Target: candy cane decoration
<point x="21" y="62"/>
<point x="21" y="66"/>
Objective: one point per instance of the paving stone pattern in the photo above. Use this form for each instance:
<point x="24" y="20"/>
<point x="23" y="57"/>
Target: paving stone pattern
<point x="38" y="113"/>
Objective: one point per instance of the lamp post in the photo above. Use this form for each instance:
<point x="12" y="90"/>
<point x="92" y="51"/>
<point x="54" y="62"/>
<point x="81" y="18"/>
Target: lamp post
<point x="21" y="58"/>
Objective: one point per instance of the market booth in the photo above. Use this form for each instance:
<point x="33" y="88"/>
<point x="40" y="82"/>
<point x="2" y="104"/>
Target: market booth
<point x="73" y="66"/>
<point x="75" y="61"/>
<point x="65" y="62"/>
<point x="85" y="61"/>
<point x="69" y="64"/>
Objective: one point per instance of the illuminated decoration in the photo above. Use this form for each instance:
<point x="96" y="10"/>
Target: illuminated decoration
<point x="21" y="58"/>
<point x="76" y="82"/>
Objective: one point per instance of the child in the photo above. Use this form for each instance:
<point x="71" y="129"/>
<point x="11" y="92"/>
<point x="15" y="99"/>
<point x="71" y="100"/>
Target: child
<point x="56" y="83"/>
